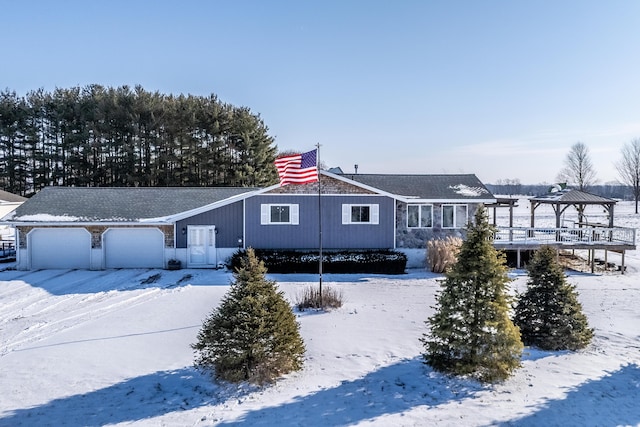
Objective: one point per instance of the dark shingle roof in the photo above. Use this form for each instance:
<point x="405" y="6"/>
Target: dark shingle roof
<point x="118" y="204"/>
<point x="430" y="187"/>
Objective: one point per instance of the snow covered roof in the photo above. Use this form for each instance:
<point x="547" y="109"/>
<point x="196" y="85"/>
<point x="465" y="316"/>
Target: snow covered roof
<point x="140" y="204"/>
<point x="428" y="187"/>
<point x="572" y="196"/>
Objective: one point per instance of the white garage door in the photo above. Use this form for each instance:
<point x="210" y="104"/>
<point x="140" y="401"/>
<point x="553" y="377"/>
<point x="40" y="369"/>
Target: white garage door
<point x="133" y="248"/>
<point x="60" y="248"/>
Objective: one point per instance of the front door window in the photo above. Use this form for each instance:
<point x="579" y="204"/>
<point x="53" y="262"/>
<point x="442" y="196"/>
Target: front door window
<point x="201" y="243"/>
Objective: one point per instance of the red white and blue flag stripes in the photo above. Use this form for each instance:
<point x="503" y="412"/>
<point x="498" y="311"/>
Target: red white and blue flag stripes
<point x="298" y="168"/>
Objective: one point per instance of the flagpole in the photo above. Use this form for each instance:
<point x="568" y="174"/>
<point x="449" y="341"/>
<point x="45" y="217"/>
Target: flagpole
<point x="319" y="221"/>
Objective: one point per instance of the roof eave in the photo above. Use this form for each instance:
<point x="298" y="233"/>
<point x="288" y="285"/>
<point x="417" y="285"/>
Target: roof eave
<point x="80" y="223"/>
<point x="416" y="201"/>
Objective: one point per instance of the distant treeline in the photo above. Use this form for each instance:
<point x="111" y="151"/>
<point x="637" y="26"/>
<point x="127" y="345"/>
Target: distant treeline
<point x="97" y="136"/>
<point x="613" y="191"/>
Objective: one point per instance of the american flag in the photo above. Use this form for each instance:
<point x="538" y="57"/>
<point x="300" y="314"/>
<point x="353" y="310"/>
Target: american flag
<point x="298" y="168"/>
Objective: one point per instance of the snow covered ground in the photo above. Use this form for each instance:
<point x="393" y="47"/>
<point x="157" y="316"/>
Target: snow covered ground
<point x="90" y="348"/>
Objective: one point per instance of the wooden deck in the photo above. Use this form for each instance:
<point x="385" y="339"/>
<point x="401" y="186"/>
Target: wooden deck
<point x="525" y="238"/>
<point x="519" y="239"/>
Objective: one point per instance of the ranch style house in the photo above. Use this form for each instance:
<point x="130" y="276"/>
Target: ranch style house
<point x="105" y="228"/>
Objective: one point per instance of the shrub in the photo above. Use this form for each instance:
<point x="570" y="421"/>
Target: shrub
<point x="310" y="298"/>
<point x="549" y="314"/>
<point x="286" y="261"/>
<point x="442" y="253"/>
<point x="471" y="332"/>
<point x="253" y="335"/>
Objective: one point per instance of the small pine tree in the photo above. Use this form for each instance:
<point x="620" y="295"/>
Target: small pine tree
<point x="253" y="335"/>
<point x="471" y="332"/>
<point x="549" y="314"/>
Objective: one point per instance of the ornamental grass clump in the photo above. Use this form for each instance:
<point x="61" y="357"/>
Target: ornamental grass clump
<point x="442" y="253"/>
<point x="310" y="298"/>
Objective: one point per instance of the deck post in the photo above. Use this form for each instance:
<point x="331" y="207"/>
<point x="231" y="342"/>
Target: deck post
<point x="622" y="266"/>
<point x="518" y="259"/>
<point x="593" y="260"/>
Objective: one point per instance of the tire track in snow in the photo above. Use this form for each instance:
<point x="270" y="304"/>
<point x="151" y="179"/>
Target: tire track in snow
<point x="37" y="316"/>
<point x="40" y="293"/>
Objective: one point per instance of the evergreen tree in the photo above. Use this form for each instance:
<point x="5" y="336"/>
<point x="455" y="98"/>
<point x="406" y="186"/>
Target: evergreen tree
<point x="471" y="332"/>
<point x="253" y="335"/>
<point x="105" y="136"/>
<point x="549" y="314"/>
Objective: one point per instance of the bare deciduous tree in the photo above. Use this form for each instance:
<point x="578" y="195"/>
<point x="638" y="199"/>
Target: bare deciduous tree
<point x="629" y="167"/>
<point x="578" y="169"/>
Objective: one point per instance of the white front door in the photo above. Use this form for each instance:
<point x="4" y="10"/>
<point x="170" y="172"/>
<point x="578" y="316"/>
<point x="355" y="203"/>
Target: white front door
<point x="201" y="241"/>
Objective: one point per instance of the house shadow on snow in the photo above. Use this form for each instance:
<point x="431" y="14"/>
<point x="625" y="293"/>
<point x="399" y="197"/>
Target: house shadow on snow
<point x="389" y="390"/>
<point x="609" y="401"/>
<point x="66" y="282"/>
<point x="136" y="399"/>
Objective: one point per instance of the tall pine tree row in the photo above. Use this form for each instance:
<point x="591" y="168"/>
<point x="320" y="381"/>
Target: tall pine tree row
<point x="470" y="332"/>
<point x="253" y="335"/>
<point x="549" y="314"/>
<point x="103" y="136"/>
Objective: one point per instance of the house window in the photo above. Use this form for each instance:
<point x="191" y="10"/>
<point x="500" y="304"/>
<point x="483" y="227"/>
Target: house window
<point x="360" y="214"/>
<point x="454" y="216"/>
<point x="419" y="216"/>
<point x="278" y="214"/>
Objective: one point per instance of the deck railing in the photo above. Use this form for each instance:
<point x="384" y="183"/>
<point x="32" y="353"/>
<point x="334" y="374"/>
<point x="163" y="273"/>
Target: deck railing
<point x="7" y="249"/>
<point x="566" y="236"/>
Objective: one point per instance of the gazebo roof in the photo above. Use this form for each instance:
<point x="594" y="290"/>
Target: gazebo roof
<point x="561" y="200"/>
<point x="572" y="196"/>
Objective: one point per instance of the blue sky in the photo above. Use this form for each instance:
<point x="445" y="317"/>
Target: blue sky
<point x="501" y="89"/>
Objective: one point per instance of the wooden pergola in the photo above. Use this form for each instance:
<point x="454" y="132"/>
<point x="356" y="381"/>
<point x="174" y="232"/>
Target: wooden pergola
<point x="503" y="202"/>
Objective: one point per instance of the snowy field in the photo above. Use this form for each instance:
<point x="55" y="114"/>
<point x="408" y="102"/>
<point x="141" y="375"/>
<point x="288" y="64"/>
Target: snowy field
<point x="92" y="348"/>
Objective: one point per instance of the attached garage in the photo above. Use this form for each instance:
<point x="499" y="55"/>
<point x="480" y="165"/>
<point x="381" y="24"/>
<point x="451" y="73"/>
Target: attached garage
<point x="133" y="248"/>
<point x="59" y="248"/>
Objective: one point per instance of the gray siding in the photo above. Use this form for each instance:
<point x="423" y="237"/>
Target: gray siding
<point x="335" y="235"/>
<point x="228" y="222"/>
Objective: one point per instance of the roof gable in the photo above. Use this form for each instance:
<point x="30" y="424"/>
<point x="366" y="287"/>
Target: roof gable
<point x="330" y="184"/>
<point x="5" y="196"/>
